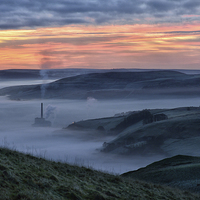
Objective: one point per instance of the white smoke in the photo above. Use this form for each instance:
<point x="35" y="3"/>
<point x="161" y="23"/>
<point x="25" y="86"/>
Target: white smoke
<point x="91" y="101"/>
<point x="50" y="112"/>
<point x="44" y="85"/>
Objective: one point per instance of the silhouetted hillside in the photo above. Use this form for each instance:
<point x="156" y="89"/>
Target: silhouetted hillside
<point x="112" y="85"/>
<point x="42" y="74"/>
<point x="19" y="74"/>
<point x="179" y="171"/>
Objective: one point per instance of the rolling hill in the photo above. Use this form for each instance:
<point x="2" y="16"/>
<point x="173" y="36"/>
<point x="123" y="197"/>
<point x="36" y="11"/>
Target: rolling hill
<point x="112" y="85"/>
<point x="166" y="132"/>
<point x="179" y="171"/>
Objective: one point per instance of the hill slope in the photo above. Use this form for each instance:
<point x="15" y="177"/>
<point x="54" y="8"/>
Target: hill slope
<point x="26" y="177"/>
<point x="179" y="171"/>
<point x="112" y="85"/>
<point x="15" y="74"/>
<point x="166" y="132"/>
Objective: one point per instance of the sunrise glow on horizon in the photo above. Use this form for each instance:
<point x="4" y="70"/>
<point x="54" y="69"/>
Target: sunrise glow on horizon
<point x="146" y="45"/>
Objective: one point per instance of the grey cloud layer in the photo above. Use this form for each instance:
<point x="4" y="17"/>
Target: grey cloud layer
<point x="25" y="13"/>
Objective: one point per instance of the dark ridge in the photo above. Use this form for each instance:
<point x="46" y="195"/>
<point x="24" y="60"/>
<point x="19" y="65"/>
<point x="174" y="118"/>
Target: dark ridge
<point x="19" y="74"/>
<point x="125" y="76"/>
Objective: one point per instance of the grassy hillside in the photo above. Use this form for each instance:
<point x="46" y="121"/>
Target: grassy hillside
<point x="166" y="132"/>
<point x="113" y="85"/>
<point x="26" y="177"/>
<point x="178" y="134"/>
<point x="169" y="137"/>
<point x="179" y="171"/>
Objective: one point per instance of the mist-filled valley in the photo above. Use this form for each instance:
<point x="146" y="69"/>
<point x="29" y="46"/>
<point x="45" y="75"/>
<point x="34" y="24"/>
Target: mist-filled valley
<point x="100" y="100"/>
<point x="74" y="146"/>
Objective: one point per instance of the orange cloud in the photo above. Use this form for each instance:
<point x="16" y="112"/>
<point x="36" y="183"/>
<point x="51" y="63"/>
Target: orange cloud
<point x="120" y="46"/>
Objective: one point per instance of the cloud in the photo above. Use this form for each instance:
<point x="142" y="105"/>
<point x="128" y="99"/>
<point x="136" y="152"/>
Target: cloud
<point x="16" y="14"/>
<point x="184" y="32"/>
<point x="191" y="5"/>
<point x="161" y="6"/>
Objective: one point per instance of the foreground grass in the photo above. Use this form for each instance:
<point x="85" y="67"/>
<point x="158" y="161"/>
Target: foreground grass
<point x="27" y="177"/>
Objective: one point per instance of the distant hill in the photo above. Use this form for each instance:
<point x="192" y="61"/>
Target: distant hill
<point x="166" y="132"/>
<point x="19" y="74"/>
<point x="15" y="74"/>
<point x="179" y="171"/>
<point x="27" y="177"/>
<point x="113" y="85"/>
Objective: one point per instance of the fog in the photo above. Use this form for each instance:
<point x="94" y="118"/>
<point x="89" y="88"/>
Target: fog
<point x="5" y="83"/>
<point x="81" y="148"/>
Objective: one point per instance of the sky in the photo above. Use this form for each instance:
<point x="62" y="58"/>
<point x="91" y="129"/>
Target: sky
<point x="144" y="34"/>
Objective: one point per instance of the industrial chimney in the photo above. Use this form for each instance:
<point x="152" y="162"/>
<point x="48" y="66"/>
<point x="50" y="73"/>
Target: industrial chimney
<point x="41" y="122"/>
<point x="41" y="110"/>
